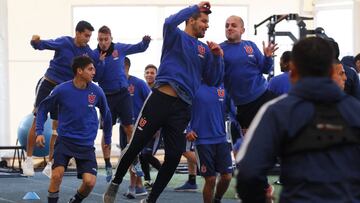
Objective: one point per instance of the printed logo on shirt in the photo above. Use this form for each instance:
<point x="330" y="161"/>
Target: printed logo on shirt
<point x="201" y="50"/>
<point x="249" y="50"/>
<point x="115" y="54"/>
<point x="91" y="99"/>
<point x="131" y="89"/>
<point x="203" y="169"/>
<point x="221" y="94"/>
<point x="142" y="123"/>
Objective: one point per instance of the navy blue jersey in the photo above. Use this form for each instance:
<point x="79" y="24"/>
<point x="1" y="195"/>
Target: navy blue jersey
<point x="139" y="91"/>
<point x="208" y="115"/>
<point x="244" y="69"/>
<point x="111" y="76"/>
<point x="65" y="50"/>
<point x="185" y="60"/>
<point x="306" y="176"/>
<point x="77" y="118"/>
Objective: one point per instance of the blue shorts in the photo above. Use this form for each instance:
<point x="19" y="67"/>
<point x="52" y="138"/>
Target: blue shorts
<point x="42" y="90"/>
<point x="214" y="158"/>
<point x="84" y="156"/>
<point x="120" y="106"/>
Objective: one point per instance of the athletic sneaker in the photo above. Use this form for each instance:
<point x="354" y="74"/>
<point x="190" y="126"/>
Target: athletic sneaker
<point x="187" y="187"/>
<point x="47" y="170"/>
<point x="140" y="191"/>
<point x="28" y="167"/>
<point x="108" y="173"/>
<point x="136" y="168"/>
<point x="110" y="194"/>
<point x="148" y="184"/>
<point x="215" y="200"/>
<point x="131" y="193"/>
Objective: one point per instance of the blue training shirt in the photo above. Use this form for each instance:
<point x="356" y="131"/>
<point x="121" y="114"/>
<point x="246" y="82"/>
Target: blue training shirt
<point x="78" y="119"/>
<point x="244" y="69"/>
<point x="111" y="77"/>
<point x="280" y="84"/>
<point x="208" y="115"/>
<point x="59" y="69"/>
<point x="139" y="91"/>
<point x="185" y="60"/>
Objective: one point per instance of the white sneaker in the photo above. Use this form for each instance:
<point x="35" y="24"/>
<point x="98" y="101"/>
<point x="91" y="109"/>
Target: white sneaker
<point x="28" y="167"/>
<point x="47" y="170"/>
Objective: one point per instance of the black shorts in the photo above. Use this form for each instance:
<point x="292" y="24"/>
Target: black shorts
<point x="43" y="89"/>
<point x="120" y="106"/>
<point x="247" y="112"/>
<point x="150" y="148"/>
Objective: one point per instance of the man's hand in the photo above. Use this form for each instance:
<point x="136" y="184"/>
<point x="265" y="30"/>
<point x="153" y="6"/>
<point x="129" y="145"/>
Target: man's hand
<point x="102" y="55"/>
<point x="107" y="146"/>
<point x="35" y="39"/>
<point x="215" y="48"/>
<point x="146" y="38"/>
<point x="191" y="136"/>
<point x="204" y="6"/>
<point x="40" y="141"/>
<point x="269" y="49"/>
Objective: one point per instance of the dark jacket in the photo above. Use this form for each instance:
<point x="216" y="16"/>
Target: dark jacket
<point x="331" y="175"/>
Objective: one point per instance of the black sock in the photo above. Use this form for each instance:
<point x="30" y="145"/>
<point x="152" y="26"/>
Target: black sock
<point x="144" y="161"/>
<point x="107" y="162"/>
<point x="217" y="200"/>
<point x="53" y="197"/>
<point x="77" y="198"/>
<point x="192" y="179"/>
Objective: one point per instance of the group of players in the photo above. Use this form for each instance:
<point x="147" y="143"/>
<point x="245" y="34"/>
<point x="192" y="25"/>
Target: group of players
<point x="188" y="95"/>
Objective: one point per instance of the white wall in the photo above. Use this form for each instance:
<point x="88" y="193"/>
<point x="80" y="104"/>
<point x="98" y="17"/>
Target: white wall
<point x="357" y="26"/>
<point x="4" y="77"/>
<point x="51" y="19"/>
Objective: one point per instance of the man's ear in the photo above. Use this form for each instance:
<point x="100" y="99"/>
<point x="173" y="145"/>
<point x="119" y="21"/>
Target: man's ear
<point x="293" y="73"/>
<point x="333" y="69"/>
<point x="79" y="70"/>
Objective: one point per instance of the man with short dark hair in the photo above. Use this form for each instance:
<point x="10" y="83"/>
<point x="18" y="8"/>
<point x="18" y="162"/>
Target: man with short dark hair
<point x="150" y="74"/>
<point x="112" y="79"/>
<point x="280" y="84"/>
<point x="185" y="61"/>
<point x="357" y="62"/>
<point x="314" y="129"/>
<point x="59" y="70"/>
<point x="338" y="74"/>
<point x="78" y="126"/>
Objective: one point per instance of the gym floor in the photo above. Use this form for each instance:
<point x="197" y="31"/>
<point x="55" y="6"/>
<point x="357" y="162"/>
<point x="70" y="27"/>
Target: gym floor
<point x="13" y="190"/>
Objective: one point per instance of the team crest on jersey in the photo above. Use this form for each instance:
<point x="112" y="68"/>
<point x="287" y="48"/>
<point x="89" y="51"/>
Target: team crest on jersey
<point x="131" y="89"/>
<point x="115" y="54"/>
<point x="142" y="123"/>
<point x="201" y="50"/>
<point x="221" y="94"/>
<point x="249" y="50"/>
<point x="203" y="169"/>
<point x="91" y="99"/>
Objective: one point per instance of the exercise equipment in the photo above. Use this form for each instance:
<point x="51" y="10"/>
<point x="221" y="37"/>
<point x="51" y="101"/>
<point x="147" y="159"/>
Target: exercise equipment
<point x="303" y="31"/>
<point x="23" y="131"/>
